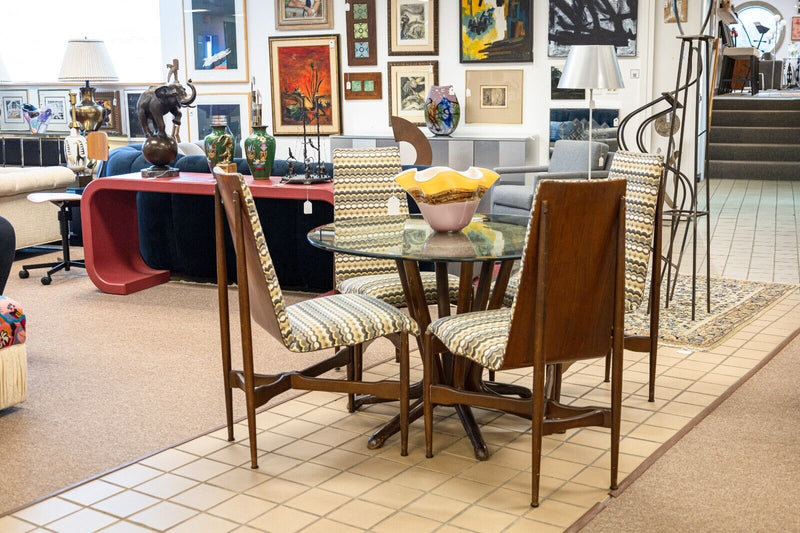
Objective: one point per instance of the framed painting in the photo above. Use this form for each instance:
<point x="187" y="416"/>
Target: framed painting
<point x="303" y="14"/>
<point x="111" y="101"/>
<point x="361" y="29"/>
<point x="573" y="123"/>
<point x="409" y="84"/>
<point x="494" y="96"/>
<point x="796" y="28"/>
<point x="563" y="94"/>
<point x="669" y="11"/>
<point x="57" y="101"/>
<point x="496" y="31"/>
<point x="215" y="39"/>
<point x="305" y="84"/>
<point x="593" y="22"/>
<point x="413" y="27"/>
<point x="11" y="101"/>
<point x="131" y="101"/>
<point x="234" y="106"/>
<point x="363" y="86"/>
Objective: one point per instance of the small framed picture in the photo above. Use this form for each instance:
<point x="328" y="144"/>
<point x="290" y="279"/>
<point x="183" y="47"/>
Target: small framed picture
<point x="131" y="103"/>
<point x="494" y="96"/>
<point x="11" y="118"/>
<point x="234" y="106"/>
<point x="57" y="101"/>
<point x="409" y="84"/>
<point x="215" y="39"/>
<point x="111" y="101"/>
<point x="303" y="14"/>
<point x="563" y="94"/>
<point x="361" y="30"/>
<point x="413" y="27"/>
<point x="796" y="28"/>
<point x="363" y="86"/>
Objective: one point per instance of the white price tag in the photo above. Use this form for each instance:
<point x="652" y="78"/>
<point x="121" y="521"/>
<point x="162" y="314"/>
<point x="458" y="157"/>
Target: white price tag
<point x="330" y="43"/>
<point x="347" y="85"/>
<point x="347" y="6"/>
<point x="307" y="208"/>
<point x="602" y="162"/>
<point x="469" y="93"/>
<point x="393" y="206"/>
<point x="452" y="91"/>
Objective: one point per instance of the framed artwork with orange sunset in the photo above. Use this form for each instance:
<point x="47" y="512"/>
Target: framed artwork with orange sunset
<point x="305" y="85"/>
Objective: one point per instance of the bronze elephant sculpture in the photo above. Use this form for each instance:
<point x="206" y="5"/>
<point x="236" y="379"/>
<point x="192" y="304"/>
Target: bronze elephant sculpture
<point x="155" y="102"/>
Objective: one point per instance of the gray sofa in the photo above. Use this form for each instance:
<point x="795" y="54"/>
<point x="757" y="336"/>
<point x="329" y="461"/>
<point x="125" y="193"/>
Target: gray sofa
<point x="568" y="161"/>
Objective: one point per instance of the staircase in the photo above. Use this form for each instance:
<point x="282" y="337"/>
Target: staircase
<point x="755" y="138"/>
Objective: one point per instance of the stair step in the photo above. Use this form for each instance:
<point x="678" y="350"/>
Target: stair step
<point x="754" y="170"/>
<point x="756" y="135"/>
<point x="756" y="117"/>
<point x="757" y="103"/>
<point x="754" y="152"/>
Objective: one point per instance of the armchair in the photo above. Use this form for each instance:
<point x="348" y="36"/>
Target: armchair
<point x="567" y="162"/>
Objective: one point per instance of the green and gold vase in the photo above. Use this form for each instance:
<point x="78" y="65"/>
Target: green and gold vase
<point x="259" y="148"/>
<point x="218" y="144"/>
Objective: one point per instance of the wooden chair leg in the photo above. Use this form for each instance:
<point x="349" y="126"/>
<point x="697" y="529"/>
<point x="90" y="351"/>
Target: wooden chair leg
<point x="405" y="386"/>
<point x="427" y="372"/>
<point x="537" y="423"/>
<point x="351" y="375"/>
<point x="616" y="411"/>
<point x="608" y="368"/>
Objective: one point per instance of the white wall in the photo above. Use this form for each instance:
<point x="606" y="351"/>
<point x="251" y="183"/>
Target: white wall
<point x="371" y="116"/>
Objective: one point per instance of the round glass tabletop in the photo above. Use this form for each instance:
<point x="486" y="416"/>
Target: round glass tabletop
<point x="487" y="237"/>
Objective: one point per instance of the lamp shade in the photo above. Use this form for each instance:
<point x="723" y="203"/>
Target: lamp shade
<point x="85" y="60"/>
<point x="3" y="72"/>
<point x="591" y="66"/>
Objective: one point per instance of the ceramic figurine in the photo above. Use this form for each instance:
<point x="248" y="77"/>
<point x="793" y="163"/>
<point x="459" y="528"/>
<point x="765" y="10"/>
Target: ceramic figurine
<point x="218" y="144"/>
<point x="259" y="149"/>
<point x="442" y="110"/>
<point x="76" y="151"/>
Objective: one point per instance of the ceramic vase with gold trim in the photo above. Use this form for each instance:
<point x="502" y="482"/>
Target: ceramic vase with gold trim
<point x="259" y="149"/>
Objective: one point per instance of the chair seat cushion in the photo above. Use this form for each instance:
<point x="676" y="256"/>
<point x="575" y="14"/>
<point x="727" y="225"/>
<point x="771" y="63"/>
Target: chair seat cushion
<point x="517" y="196"/>
<point x="480" y="336"/>
<point x="343" y="320"/>
<point x="389" y="289"/>
<point x="12" y="323"/>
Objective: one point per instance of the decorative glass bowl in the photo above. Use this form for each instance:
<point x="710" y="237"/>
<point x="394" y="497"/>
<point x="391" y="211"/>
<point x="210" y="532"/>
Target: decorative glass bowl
<point x="447" y="198"/>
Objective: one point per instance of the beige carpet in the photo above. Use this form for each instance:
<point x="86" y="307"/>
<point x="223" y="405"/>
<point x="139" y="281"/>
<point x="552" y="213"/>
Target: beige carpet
<point x="112" y="378"/>
<point x="736" y="471"/>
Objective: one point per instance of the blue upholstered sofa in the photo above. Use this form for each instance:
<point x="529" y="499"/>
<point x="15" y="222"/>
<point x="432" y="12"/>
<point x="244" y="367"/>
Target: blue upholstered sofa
<point x="176" y="231"/>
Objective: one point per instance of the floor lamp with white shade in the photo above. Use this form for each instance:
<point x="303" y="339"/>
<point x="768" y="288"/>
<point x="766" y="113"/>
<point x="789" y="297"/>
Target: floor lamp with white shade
<point x="592" y="66"/>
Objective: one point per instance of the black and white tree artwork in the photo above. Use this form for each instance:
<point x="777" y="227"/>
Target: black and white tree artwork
<point x="593" y="22"/>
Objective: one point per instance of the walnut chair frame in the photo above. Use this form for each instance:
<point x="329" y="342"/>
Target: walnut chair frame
<point x="569" y="307"/>
<point x="254" y="296"/>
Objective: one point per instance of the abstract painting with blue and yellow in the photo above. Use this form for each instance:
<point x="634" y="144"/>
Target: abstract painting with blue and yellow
<point x="496" y="31"/>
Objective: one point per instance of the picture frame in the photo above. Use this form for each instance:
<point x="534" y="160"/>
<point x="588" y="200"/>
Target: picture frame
<point x="795" y="28"/>
<point x="111" y="101"/>
<point x="215" y="41"/>
<point x="617" y="27"/>
<point x="297" y="66"/>
<point x="130" y="102"/>
<point x="494" y="96"/>
<point x="563" y="94"/>
<point x="295" y="15"/>
<point x="571" y="123"/>
<point x="234" y="105"/>
<point x="11" y="101"/>
<point x="483" y="38"/>
<point x="683" y="11"/>
<point x="61" y="110"/>
<point x="413" y="27"/>
<point x="409" y="85"/>
<point x="363" y="86"/>
<point x="361" y="29"/>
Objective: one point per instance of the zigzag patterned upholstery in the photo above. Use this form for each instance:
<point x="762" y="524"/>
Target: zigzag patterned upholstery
<point x="480" y="337"/>
<point x="363" y="185"/>
<point x="643" y="173"/>
<point x="338" y="320"/>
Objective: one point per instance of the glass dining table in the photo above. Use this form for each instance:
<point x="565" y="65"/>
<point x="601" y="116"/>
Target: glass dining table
<point x="488" y="241"/>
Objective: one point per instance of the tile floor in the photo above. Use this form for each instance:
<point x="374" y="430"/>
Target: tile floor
<point x="316" y="473"/>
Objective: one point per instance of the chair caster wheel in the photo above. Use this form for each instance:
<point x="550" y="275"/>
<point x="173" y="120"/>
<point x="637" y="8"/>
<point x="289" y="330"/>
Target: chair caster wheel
<point x="24" y="274"/>
<point x="46" y="280"/>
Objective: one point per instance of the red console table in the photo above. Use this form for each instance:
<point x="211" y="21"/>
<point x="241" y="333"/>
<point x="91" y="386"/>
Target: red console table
<point x="110" y="228"/>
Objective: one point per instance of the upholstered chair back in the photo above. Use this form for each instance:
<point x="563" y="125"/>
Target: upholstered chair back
<point x="645" y="174"/>
<point x="363" y="185"/>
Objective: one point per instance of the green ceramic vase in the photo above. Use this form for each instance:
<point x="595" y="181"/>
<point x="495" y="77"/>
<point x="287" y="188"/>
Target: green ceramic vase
<point x="218" y="144"/>
<point x="259" y="148"/>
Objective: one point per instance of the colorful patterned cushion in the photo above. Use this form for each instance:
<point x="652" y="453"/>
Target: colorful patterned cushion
<point x="480" y="336"/>
<point x="387" y="287"/>
<point x="12" y="323"/>
<point x="344" y="320"/>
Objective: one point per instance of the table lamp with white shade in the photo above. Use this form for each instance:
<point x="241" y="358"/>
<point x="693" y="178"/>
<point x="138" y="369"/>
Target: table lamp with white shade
<point x="87" y="60"/>
<point x="592" y="66"/>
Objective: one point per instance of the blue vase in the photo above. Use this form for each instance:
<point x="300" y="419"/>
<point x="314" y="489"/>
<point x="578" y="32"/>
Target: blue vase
<point x="442" y="110"/>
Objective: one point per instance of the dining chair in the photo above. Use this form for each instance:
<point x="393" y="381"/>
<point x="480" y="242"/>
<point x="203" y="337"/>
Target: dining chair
<point x="569" y="307"/>
<point x="644" y="201"/>
<point x="345" y="320"/>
